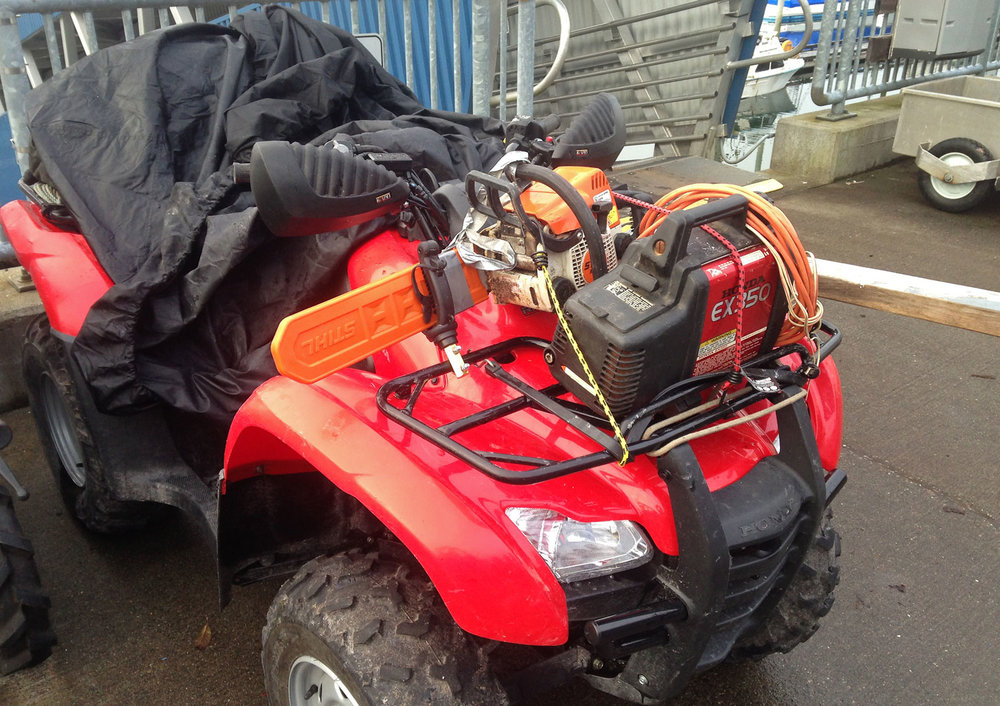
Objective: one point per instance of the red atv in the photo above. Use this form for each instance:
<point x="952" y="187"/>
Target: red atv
<point x="552" y="431"/>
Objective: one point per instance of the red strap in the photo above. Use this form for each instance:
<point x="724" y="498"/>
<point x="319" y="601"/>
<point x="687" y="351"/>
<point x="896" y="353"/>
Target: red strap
<point x="740" y="273"/>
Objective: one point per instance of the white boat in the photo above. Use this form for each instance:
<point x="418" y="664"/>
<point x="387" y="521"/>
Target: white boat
<point x="791" y="24"/>
<point x="770" y="77"/>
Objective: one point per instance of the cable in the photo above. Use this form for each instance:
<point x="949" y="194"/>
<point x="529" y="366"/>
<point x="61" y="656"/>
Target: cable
<point x="541" y="263"/>
<point x="667" y="448"/>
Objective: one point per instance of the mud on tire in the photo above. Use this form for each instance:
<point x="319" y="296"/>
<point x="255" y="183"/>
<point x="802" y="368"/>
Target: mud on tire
<point x="25" y="637"/>
<point x="379" y="627"/>
<point x="808" y="598"/>
<point x="67" y="440"/>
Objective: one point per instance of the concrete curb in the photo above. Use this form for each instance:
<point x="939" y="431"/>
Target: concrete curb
<point x="820" y="152"/>
<point x="16" y="310"/>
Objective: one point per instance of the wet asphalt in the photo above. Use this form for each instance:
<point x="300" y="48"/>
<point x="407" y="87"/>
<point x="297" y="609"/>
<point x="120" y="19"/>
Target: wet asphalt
<point x="917" y="615"/>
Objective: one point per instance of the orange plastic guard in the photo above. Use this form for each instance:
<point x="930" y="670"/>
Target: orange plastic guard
<point x="328" y="337"/>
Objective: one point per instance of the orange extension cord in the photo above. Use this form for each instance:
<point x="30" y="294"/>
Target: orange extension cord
<point x="767" y="222"/>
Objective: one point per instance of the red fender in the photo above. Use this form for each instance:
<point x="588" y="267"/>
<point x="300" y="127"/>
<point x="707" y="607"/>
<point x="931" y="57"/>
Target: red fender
<point x="450" y="516"/>
<point x="493" y="583"/>
<point x="826" y="409"/>
<point x="63" y="267"/>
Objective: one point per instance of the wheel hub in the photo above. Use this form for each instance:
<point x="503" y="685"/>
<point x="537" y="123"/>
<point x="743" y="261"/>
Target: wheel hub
<point x="59" y="422"/>
<point x="312" y="683"/>
<point x="946" y="188"/>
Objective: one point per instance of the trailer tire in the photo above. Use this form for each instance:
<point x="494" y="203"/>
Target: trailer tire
<point x="374" y="631"/>
<point x="808" y="598"/>
<point x="956" y="198"/>
<point x="67" y="440"/>
<point x="25" y="637"/>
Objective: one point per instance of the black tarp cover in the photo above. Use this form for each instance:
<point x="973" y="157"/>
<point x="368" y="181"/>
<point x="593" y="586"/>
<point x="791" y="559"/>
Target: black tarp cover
<point x="138" y="139"/>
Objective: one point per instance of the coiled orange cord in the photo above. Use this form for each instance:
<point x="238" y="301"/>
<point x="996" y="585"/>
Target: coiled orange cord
<point x="769" y="223"/>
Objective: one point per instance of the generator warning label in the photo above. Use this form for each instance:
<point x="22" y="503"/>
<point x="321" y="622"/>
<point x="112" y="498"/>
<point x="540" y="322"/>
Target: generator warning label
<point x="635" y="301"/>
<point x="719" y="352"/>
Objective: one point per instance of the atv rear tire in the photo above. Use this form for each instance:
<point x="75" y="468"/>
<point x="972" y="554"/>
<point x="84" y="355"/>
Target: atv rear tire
<point x="808" y="598"/>
<point x="362" y="630"/>
<point x="67" y="440"/>
<point x="25" y="637"/>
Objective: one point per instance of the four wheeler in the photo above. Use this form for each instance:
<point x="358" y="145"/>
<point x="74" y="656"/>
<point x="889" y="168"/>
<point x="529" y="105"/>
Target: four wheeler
<point x="533" y="442"/>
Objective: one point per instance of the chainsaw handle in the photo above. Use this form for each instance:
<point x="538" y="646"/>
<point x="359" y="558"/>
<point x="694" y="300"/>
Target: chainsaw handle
<point x="573" y="199"/>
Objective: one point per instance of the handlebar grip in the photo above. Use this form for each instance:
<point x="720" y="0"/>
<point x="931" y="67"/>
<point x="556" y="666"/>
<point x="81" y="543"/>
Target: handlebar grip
<point x="550" y="123"/>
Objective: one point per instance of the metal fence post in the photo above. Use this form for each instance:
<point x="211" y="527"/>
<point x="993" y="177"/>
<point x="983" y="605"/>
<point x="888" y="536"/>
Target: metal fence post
<point x="482" y="80"/>
<point x="850" y="44"/>
<point x="525" y="57"/>
<point x="14" y="77"/>
<point x="432" y="54"/>
<point x="456" y="32"/>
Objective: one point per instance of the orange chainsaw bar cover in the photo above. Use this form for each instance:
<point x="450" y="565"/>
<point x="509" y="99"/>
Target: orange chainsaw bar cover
<point x="331" y="336"/>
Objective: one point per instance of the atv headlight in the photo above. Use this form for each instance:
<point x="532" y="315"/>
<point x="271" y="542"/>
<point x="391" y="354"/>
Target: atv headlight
<point x="581" y="550"/>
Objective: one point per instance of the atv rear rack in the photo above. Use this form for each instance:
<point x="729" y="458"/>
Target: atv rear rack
<point x="410" y="387"/>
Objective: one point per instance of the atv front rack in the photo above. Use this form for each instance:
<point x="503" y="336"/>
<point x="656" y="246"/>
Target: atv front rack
<point x="579" y="417"/>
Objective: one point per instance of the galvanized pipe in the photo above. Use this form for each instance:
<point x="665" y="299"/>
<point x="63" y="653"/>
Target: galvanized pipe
<point x="432" y="55"/>
<point x="504" y="97"/>
<point x="482" y="78"/>
<point x="15" y="84"/>
<point x="850" y="29"/>
<point x="639" y="84"/>
<point x="839" y="76"/>
<point x="525" y="57"/>
<point x="658" y="62"/>
<point x="408" y="41"/>
<point x="456" y="32"/>
<point x="52" y="42"/>
<point x="557" y="62"/>
<point x="710" y="32"/>
<point x="632" y="19"/>
<point x="383" y="24"/>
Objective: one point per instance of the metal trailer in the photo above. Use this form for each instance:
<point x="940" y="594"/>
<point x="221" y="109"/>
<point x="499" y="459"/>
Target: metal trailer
<point x="951" y="127"/>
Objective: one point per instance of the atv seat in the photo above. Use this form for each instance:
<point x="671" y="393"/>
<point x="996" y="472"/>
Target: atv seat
<point x="305" y="189"/>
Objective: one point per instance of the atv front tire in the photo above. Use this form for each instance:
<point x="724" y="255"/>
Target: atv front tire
<point x="25" y="637"/>
<point x="808" y="598"/>
<point x="67" y="439"/>
<point x="362" y="630"/>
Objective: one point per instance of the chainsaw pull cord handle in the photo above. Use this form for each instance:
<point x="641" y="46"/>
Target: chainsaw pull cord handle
<point x="564" y="190"/>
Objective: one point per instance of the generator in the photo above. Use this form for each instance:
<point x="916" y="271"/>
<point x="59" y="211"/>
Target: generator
<point x="669" y="310"/>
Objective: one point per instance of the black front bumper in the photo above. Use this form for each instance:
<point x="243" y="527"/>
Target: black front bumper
<point x="739" y="548"/>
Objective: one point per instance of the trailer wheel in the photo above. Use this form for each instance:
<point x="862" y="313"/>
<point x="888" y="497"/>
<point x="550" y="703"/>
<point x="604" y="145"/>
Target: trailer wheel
<point x="357" y="630"/>
<point x="25" y="637"/>
<point x="66" y="439"/>
<point x="808" y="598"/>
<point x="955" y="198"/>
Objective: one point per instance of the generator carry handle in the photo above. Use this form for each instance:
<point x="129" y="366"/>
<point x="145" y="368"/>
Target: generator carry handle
<point x="676" y="229"/>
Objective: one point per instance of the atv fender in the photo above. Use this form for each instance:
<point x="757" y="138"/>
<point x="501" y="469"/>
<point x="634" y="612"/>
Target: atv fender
<point x="493" y="583"/>
<point x="64" y="269"/>
<point x="826" y="411"/>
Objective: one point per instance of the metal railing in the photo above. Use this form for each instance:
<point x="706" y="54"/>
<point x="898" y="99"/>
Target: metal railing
<point x="666" y="61"/>
<point x="855" y="57"/>
<point x="74" y="28"/>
